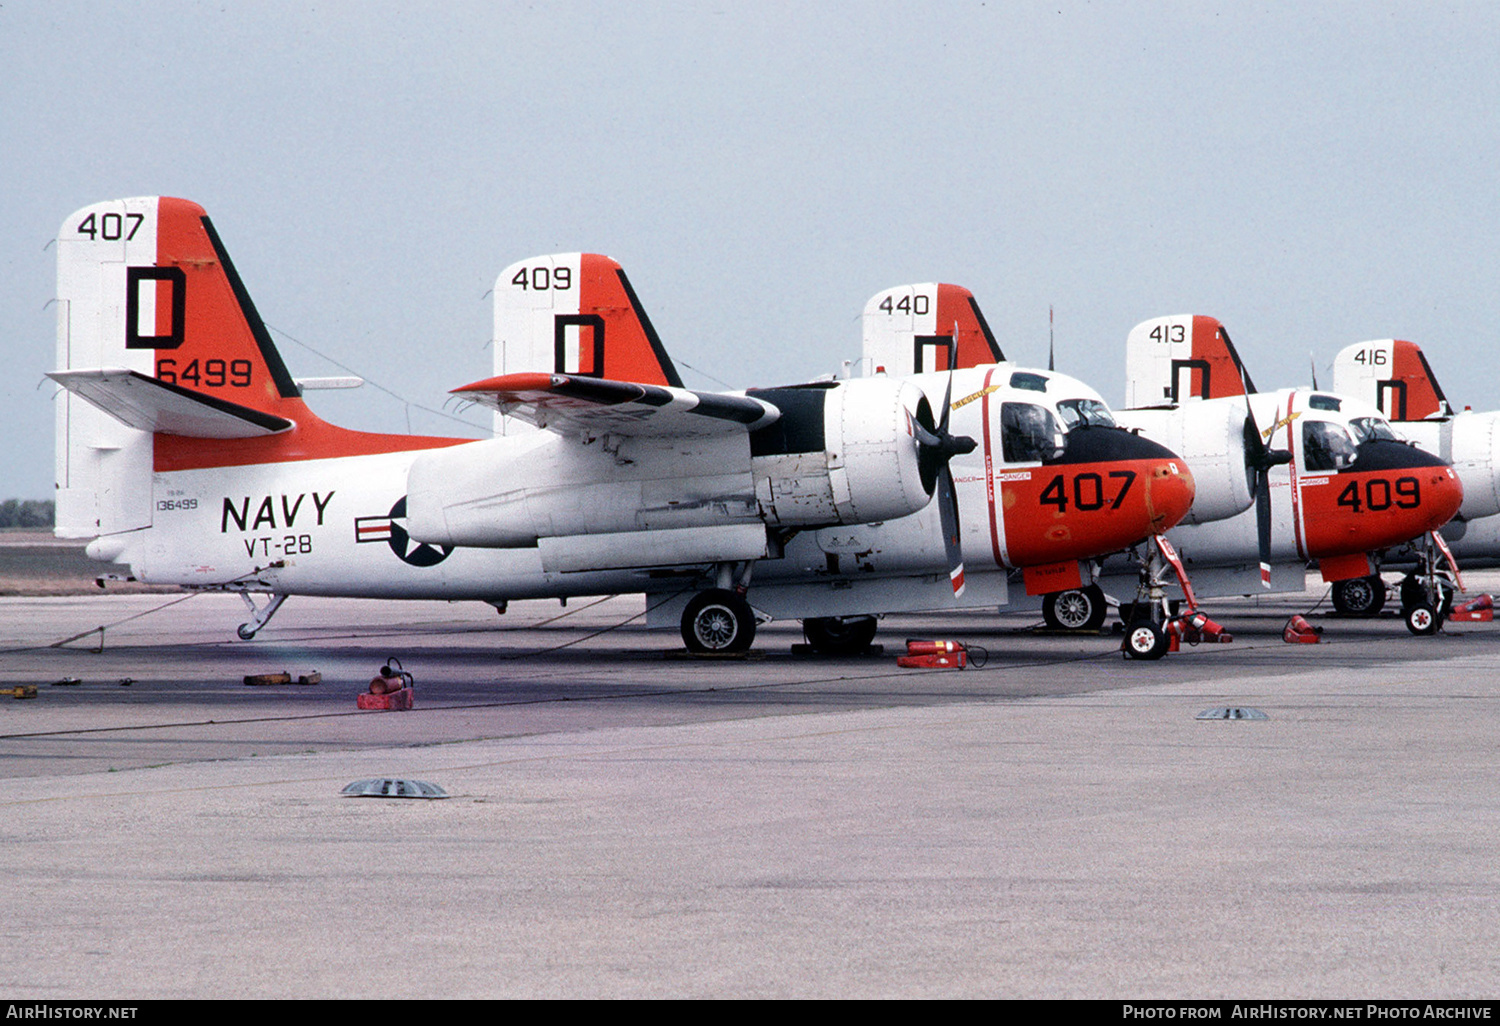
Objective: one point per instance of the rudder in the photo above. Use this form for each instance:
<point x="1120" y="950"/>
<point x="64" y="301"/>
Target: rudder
<point x="1170" y="359"/>
<point x="1393" y="375"/>
<point x="910" y="329"/>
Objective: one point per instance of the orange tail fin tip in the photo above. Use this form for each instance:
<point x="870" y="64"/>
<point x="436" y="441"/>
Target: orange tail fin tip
<point x="153" y="313"/>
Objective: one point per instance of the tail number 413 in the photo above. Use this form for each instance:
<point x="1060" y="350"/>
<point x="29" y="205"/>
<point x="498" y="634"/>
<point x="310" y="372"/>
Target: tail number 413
<point x="1089" y="491"/>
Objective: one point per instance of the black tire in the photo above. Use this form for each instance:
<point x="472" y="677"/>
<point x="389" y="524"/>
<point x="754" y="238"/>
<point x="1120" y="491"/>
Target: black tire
<point x="718" y="621"/>
<point x="245" y="631"/>
<point x="1078" y="609"/>
<point x="1145" y="641"/>
<point x="840" y="635"/>
<point x="1360" y="596"/>
<point x="1413" y="595"/>
<point x="1422" y="619"/>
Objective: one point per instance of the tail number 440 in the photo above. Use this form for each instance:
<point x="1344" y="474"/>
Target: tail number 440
<point x="1089" y="491"/>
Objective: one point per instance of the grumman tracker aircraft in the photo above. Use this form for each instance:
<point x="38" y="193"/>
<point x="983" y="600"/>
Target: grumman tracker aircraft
<point x="1393" y="375"/>
<point x="186" y="452"/>
<point x="1068" y="485"/>
<point x="1330" y="481"/>
<point x="1327" y="479"/>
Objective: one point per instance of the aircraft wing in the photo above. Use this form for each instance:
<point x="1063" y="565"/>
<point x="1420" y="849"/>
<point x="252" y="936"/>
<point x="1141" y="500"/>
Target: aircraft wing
<point x="151" y="405"/>
<point x="571" y="402"/>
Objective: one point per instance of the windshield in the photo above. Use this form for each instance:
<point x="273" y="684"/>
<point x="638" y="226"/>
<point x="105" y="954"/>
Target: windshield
<point x="1371" y="429"/>
<point x="1030" y="433"/>
<point x="1326" y="446"/>
<point x="1085" y="413"/>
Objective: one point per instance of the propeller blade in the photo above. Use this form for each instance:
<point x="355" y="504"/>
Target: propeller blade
<point x="947" y="498"/>
<point x="1263" y="523"/>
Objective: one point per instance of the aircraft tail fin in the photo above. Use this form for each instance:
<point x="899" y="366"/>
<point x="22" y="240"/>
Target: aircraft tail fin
<point x="911" y="329"/>
<point x="167" y="365"/>
<point x="1393" y="375"/>
<point x="1170" y="359"/>
<point x="576" y="314"/>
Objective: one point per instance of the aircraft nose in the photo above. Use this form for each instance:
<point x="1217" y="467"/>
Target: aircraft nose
<point x="1426" y="487"/>
<point x="1169" y="494"/>
<point x="1446" y="496"/>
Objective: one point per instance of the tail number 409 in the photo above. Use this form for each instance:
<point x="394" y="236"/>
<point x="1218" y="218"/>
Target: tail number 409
<point x="1378" y="494"/>
<point x="1089" y="492"/>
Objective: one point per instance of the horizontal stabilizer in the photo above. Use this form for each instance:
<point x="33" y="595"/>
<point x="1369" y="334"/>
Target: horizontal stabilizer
<point x="565" y="402"/>
<point x="147" y="404"/>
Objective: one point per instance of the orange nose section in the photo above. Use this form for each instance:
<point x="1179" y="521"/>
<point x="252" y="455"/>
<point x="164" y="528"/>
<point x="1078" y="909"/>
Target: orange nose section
<point x="1169" y="494"/>
<point x="1445" y="495"/>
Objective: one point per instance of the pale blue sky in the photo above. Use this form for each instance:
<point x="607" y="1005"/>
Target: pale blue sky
<point x="1311" y="174"/>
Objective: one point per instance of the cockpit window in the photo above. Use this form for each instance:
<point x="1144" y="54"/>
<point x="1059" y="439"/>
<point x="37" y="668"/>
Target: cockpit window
<point x="1030" y="382"/>
<point x="1326" y="446"/>
<point x="1328" y="403"/>
<point x="1372" y="429"/>
<point x="1085" y="413"/>
<point x="1030" y="433"/>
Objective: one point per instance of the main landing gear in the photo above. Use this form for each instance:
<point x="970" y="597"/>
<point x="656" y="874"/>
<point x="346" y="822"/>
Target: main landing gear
<point x="1360" y="596"/>
<point x="1078" y="609"/>
<point x="840" y="635"/>
<point x="720" y="620"/>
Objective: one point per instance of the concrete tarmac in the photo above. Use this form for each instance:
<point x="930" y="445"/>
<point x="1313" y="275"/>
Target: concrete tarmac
<point x="1056" y="824"/>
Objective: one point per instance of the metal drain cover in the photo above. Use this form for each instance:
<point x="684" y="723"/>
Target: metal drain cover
<point x="393" y="787"/>
<point x="1232" y="712"/>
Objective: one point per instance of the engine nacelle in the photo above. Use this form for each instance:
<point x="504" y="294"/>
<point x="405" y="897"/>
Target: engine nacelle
<point x="509" y="492"/>
<point x="1210" y="437"/>
<point x="844" y="453"/>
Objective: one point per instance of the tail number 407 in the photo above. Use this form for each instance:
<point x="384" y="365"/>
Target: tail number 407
<point x="1089" y="491"/>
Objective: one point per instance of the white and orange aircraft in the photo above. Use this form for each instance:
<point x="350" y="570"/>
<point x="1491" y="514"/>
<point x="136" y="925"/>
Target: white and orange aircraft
<point x="1330" y="481"/>
<point x="1393" y="375"/>
<point x="186" y="452"/>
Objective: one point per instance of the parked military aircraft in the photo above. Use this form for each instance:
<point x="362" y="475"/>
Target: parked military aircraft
<point x="1393" y="375"/>
<point x="186" y="452"/>
<point x="1328" y="479"/>
<point x="1332" y="483"/>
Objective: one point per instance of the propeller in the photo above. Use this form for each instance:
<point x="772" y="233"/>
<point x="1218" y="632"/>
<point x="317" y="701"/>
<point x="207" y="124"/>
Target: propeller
<point x="938" y="446"/>
<point x="1259" y="459"/>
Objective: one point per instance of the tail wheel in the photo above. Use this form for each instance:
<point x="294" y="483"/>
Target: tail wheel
<point x="1362" y="596"/>
<point x="1422" y="619"/>
<point x="840" y="635"/>
<point x="718" y="621"/>
<point x="1145" y="641"/>
<point x="1080" y="609"/>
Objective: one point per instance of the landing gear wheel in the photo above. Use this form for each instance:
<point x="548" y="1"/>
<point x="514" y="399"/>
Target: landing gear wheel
<point x="1423" y="619"/>
<point x="718" y="621"/>
<point x="245" y="631"/>
<point x="840" y="635"/>
<point x="1145" y="641"/>
<point x="1079" y="609"/>
<point x="1361" y="596"/>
